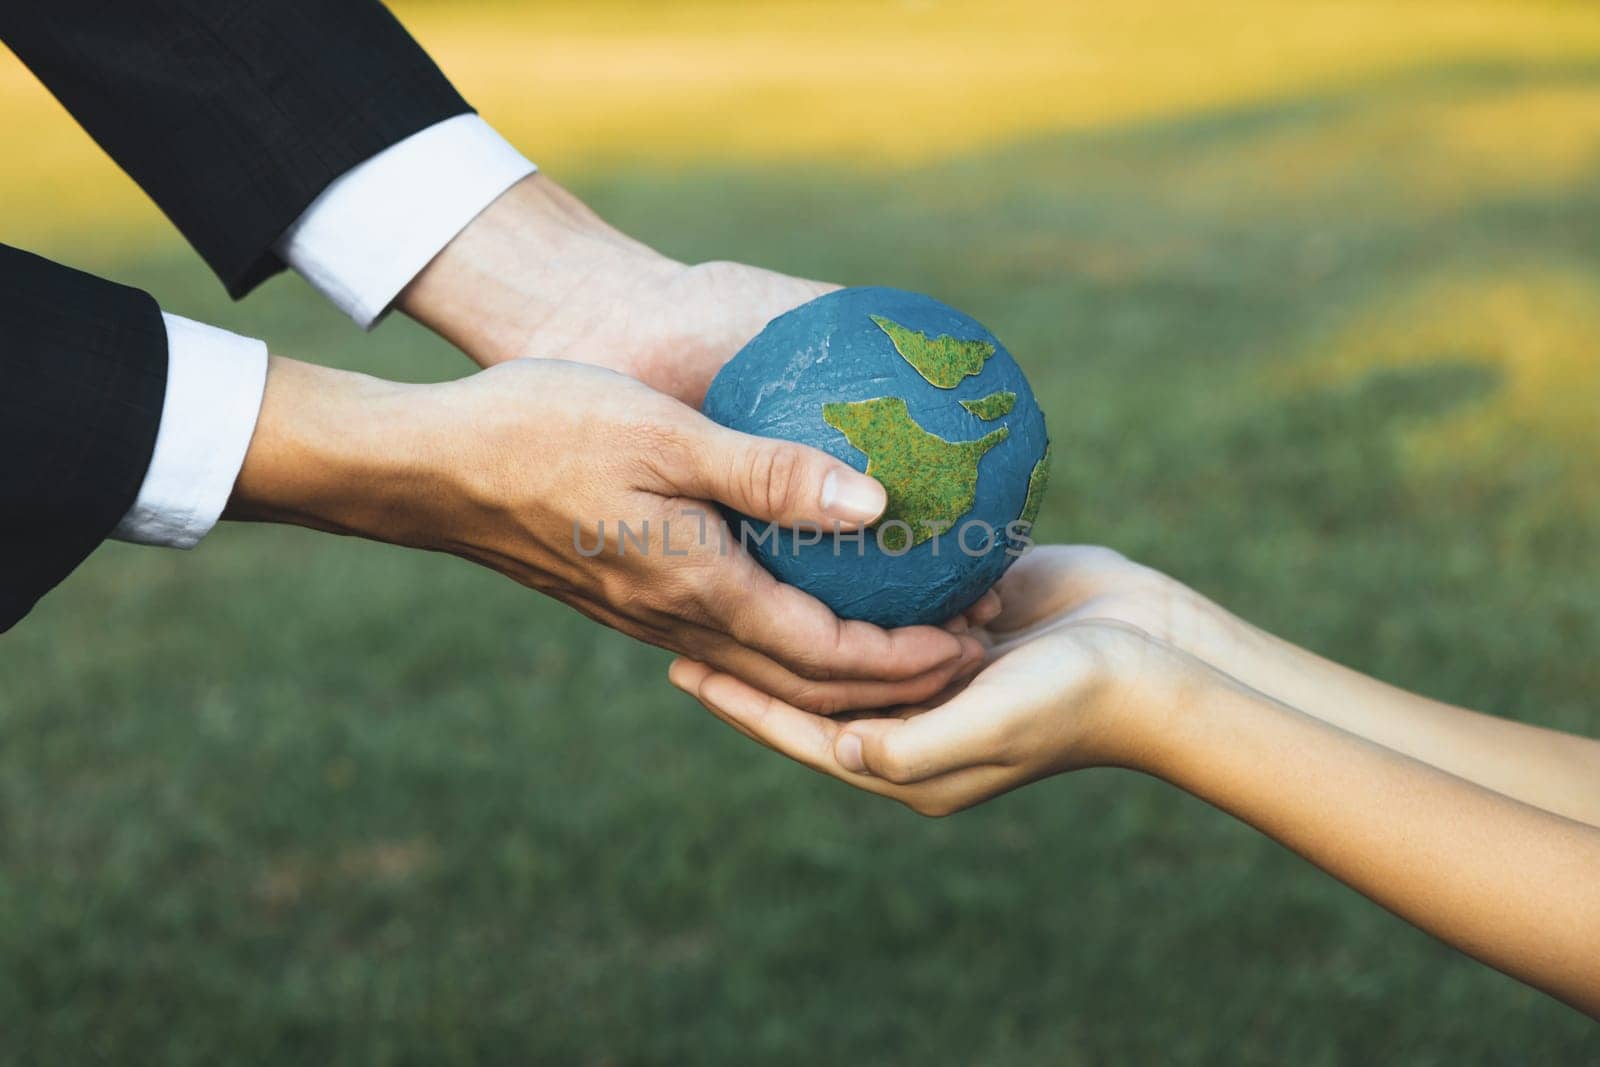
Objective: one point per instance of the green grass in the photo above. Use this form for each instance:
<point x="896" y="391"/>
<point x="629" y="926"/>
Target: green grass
<point x="289" y="798"/>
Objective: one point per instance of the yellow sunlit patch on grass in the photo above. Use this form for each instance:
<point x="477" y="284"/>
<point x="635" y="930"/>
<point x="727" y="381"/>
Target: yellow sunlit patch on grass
<point x="1533" y="136"/>
<point x="589" y="86"/>
<point x="1537" y="329"/>
<point x="1432" y="150"/>
<point x="900" y="82"/>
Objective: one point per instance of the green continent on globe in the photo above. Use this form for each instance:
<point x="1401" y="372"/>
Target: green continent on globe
<point x="1036" y="484"/>
<point x="930" y="482"/>
<point x="943" y="360"/>
<point x="991" y="407"/>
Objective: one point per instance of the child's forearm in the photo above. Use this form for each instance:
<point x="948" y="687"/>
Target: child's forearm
<point x="1508" y="883"/>
<point x="1546" y="768"/>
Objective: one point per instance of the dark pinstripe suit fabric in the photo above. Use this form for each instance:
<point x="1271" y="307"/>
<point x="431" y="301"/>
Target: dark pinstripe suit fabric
<point x="83" y="365"/>
<point x="233" y="115"/>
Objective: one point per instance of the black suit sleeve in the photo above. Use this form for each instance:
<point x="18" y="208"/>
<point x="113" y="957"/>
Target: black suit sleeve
<point x="233" y="115"/>
<point x="83" y="373"/>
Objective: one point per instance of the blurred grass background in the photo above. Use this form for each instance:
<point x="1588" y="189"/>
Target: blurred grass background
<point x="1311" y="295"/>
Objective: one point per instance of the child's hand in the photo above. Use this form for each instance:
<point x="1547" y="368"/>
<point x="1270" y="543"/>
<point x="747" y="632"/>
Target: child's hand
<point x="1072" y="697"/>
<point x="1481" y="831"/>
<point x="1063" y="690"/>
<point x="1054" y="584"/>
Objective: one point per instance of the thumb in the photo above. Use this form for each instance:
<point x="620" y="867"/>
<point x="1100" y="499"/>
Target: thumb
<point x="781" y="481"/>
<point x="902" y="751"/>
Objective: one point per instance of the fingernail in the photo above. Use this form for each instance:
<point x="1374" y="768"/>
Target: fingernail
<point x="852" y="497"/>
<point x="848" y="753"/>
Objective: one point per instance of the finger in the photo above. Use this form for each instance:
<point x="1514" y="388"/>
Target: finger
<point x="814" y="742"/>
<point x="967" y="731"/>
<point x="987" y="608"/>
<point x="769" y="676"/>
<point x="828" y="697"/>
<point x="687" y="674"/>
<point x="799" y="631"/>
<point x="958" y="684"/>
<point x="777" y="481"/>
<point x="982" y="610"/>
<point x="806" y="739"/>
<point x="802" y="737"/>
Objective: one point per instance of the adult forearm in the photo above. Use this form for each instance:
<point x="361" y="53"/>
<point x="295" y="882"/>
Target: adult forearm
<point x="336" y="451"/>
<point x="1514" y="886"/>
<point x="539" y="275"/>
<point x="1547" y="768"/>
<point x="531" y="276"/>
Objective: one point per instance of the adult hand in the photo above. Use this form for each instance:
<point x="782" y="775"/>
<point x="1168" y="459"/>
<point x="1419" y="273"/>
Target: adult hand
<point x="540" y="275"/>
<point x="516" y="466"/>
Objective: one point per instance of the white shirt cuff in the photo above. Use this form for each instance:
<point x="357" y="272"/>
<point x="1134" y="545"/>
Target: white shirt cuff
<point x="374" y="229"/>
<point x="215" y="380"/>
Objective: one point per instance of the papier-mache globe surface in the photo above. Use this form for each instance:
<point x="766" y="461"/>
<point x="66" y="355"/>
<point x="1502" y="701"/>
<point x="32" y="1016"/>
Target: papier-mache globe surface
<point x="926" y="400"/>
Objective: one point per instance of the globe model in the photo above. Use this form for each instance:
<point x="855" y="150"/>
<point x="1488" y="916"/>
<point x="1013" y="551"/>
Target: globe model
<point x="920" y="397"/>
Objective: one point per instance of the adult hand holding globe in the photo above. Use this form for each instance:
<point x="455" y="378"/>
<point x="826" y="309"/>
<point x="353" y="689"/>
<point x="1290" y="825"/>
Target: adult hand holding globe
<point x="926" y="400"/>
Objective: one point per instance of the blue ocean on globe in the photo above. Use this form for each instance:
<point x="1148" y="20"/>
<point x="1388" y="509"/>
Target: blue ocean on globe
<point x="924" y="398"/>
